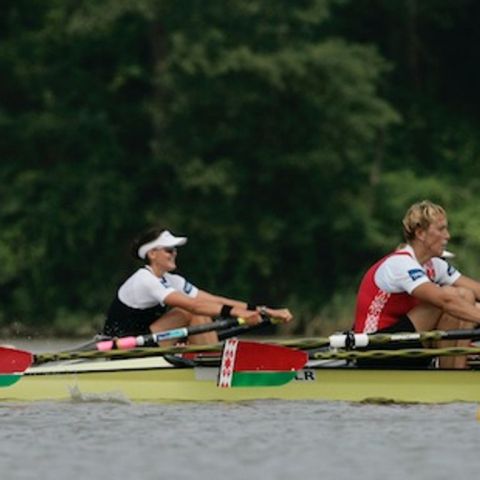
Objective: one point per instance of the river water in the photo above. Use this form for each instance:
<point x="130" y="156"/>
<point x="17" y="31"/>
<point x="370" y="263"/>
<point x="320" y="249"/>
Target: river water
<point x="87" y="439"/>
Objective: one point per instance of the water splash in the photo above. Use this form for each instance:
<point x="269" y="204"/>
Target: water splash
<point x="77" y="396"/>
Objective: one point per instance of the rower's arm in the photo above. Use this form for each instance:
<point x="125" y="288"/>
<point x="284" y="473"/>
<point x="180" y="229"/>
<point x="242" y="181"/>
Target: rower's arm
<point x="209" y="297"/>
<point x="448" y="301"/>
<point x="204" y="305"/>
<point x="279" y="314"/>
<point x="469" y="283"/>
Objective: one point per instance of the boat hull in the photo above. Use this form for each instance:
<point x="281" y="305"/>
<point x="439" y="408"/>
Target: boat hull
<point x="148" y="382"/>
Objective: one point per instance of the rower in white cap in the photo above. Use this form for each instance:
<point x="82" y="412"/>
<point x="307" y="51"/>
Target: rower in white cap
<point x="154" y="299"/>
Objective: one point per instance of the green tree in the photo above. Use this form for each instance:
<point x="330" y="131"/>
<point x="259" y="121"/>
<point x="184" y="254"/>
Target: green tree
<point x="248" y="125"/>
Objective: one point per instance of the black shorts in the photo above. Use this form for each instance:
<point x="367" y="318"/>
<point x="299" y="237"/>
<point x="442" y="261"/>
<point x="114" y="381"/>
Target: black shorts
<point x="403" y="325"/>
<point x="123" y="320"/>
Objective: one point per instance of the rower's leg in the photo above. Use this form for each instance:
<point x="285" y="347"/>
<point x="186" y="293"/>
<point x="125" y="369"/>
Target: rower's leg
<point x="448" y="322"/>
<point x="206" y="338"/>
<point x="428" y="317"/>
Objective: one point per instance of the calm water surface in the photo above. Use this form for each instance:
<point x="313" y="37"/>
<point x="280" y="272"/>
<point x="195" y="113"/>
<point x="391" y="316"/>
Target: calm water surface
<point x="105" y="439"/>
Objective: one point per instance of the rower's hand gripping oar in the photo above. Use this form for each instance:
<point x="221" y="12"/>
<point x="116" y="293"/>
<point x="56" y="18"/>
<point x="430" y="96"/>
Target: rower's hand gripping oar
<point x="125" y="343"/>
<point x="229" y="327"/>
<point x="242" y="329"/>
<point x="14" y="362"/>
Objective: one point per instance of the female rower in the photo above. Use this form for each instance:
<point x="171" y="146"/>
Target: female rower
<point x="415" y="289"/>
<point x="153" y="299"/>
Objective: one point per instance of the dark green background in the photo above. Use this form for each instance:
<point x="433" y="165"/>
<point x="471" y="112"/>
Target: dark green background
<point x="285" y="138"/>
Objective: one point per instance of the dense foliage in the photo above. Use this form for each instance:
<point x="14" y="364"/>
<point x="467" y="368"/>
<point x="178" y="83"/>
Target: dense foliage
<point x="286" y="139"/>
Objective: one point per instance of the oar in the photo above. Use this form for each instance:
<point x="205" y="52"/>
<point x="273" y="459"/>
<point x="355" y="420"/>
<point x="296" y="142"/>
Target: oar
<point x="363" y="340"/>
<point x="243" y="329"/>
<point x="402" y="352"/>
<point x="16" y="361"/>
<point x="37" y="359"/>
<point x="352" y="340"/>
<point x="125" y="343"/>
<point x="247" y="364"/>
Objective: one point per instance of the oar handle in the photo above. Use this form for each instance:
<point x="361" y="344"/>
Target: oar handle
<point x="239" y="330"/>
<point x="126" y="343"/>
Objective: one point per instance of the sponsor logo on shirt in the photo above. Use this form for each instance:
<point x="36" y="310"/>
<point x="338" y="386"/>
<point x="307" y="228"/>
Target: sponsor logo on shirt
<point x="187" y="287"/>
<point x="164" y="281"/>
<point x="416" y="273"/>
<point x="451" y="270"/>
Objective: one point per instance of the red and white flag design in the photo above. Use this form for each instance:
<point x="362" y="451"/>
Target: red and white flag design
<point x="228" y="361"/>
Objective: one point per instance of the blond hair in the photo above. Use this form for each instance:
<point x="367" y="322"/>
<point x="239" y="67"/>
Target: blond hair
<point x="420" y="215"/>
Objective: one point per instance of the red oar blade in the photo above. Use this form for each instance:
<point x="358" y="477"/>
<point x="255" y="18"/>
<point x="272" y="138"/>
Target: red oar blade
<point x="258" y="364"/>
<point x="14" y="361"/>
<point x="263" y="356"/>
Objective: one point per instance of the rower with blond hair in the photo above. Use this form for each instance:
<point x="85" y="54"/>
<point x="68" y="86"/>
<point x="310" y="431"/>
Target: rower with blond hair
<point x="415" y="289"/>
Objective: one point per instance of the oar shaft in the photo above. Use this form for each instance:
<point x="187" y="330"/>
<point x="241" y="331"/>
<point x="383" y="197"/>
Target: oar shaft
<point x="6" y="357"/>
<point x="40" y="358"/>
<point x="242" y="329"/>
<point x="352" y="340"/>
<point x="126" y="343"/>
<point x="362" y="340"/>
<point x="401" y="353"/>
<point x="198" y="329"/>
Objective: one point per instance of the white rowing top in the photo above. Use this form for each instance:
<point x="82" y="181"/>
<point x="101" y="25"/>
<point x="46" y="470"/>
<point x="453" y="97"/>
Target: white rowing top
<point x="144" y="289"/>
<point x="403" y="273"/>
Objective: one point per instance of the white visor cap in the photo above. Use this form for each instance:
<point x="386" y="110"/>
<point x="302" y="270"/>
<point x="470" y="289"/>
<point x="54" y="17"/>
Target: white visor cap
<point x="164" y="240"/>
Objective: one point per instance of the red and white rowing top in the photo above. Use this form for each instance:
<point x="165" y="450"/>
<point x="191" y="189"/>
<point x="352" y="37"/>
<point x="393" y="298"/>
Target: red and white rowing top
<point x="385" y="296"/>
